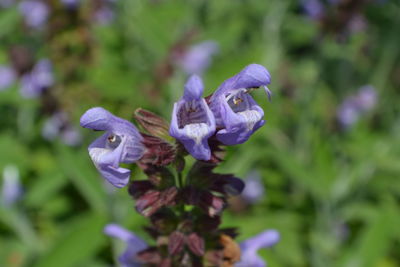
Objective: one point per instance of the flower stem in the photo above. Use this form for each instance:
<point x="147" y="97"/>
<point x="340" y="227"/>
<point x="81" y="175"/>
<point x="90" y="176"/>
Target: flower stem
<point x="180" y="180"/>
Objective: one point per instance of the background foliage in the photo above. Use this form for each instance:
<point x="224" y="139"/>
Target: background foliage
<point x="332" y="192"/>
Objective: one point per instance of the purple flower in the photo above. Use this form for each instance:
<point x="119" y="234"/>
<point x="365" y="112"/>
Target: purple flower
<point x="71" y="136"/>
<point x="104" y="12"/>
<point x="52" y="126"/>
<point x="12" y="189"/>
<point x="357" y="23"/>
<point x="313" y="8"/>
<point x="348" y="113"/>
<point x="134" y="244"/>
<point x="104" y="15"/>
<point x="356" y="105"/>
<point x="198" y="58"/>
<point x="58" y="126"/>
<point x="235" y="110"/>
<point x="34" y="12"/>
<point x="366" y="98"/>
<point x="192" y="121"/>
<point x="70" y="3"/>
<point x="120" y="144"/>
<point x="6" y="3"/>
<point x="250" y="247"/>
<point x="7" y="77"/>
<point x="254" y="189"/>
<point x="40" y="78"/>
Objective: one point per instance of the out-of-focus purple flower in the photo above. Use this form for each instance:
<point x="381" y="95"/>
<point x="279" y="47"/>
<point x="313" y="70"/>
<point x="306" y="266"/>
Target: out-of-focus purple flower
<point x="70" y="3"/>
<point x="357" y="23"/>
<point x="198" y="58"/>
<point x="341" y="230"/>
<point x="366" y="98"/>
<point x="12" y="189"/>
<point x="71" y="136"/>
<point x="192" y="121"/>
<point x="334" y="2"/>
<point x="254" y="189"/>
<point x="104" y="15"/>
<point x="58" y="125"/>
<point x="37" y="80"/>
<point x="348" y="114"/>
<point x="34" y="12"/>
<point x="250" y="247"/>
<point x="313" y="8"/>
<point x="235" y="110"/>
<point x="6" y="3"/>
<point x="133" y="242"/>
<point x="122" y="143"/>
<point x="7" y="77"/>
<point x="52" y="126"/>
<point x="356" y="105"/>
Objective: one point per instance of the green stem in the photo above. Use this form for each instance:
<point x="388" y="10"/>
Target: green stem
<point x="180" y="185"/>
<point x="180" y="180"/>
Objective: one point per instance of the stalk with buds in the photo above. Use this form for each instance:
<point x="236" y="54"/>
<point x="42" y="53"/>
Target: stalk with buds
<point x="183" y="203"/>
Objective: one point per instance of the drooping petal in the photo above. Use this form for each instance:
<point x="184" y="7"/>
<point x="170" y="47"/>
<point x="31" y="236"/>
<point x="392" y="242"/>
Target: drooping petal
<point x="250" y="247"/>
<point x="265" y="239"/>
<point x="134" y="244"/>
<point x="107" y="161"/>
<point x="250" y="259"/>
<point x="121" y="233"/>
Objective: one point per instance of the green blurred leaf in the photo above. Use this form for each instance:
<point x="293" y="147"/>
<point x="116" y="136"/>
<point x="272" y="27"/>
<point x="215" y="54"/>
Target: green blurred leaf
<point x="80" y="241"/>
<point x="76" y="165"/>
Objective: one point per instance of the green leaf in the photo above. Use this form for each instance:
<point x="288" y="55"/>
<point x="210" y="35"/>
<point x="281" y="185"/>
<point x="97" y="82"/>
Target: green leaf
<point x="80" y="242"/>
<point x="83" y="175"/>
<point x="44" y="188"/>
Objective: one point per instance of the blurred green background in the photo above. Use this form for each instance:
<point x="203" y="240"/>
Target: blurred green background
<point x="329" y="162"/>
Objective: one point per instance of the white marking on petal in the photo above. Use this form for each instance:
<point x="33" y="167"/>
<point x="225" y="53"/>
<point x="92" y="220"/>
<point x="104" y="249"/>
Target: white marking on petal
<point x="96" y="153"/>
<point x="251" y="118"/>
<point x="196" y="131"/>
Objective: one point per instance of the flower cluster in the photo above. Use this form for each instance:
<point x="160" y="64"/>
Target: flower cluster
<point x="184" y="210"/>
<point x="341" y="17"/>
<point x="232" y="114"/>
<point x="33" y="81"/>
<point x="35" y="13"/>
<point x="356" y="105"/>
